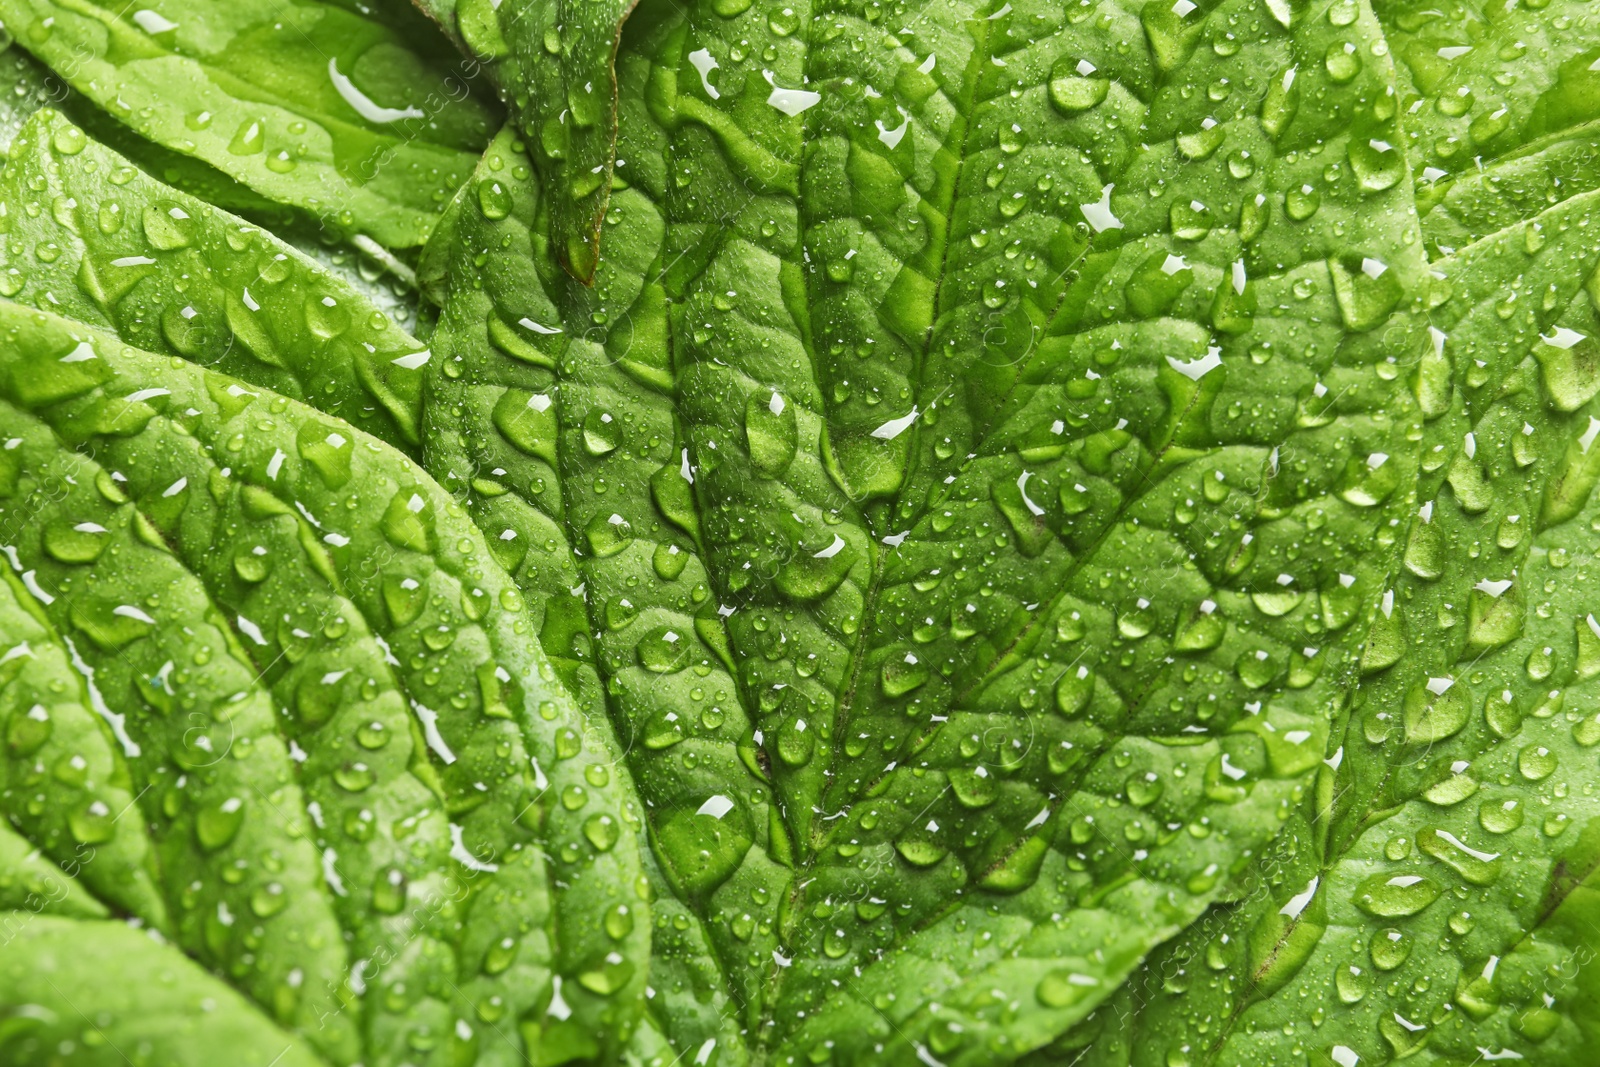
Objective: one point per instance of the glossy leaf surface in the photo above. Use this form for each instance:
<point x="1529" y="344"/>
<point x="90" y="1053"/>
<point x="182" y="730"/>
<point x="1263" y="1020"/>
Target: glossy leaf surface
<point x="1033" y="535"/>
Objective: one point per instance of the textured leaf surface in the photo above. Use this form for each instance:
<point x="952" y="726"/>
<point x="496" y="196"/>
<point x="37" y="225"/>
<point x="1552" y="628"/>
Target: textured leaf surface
<point x="214" y="778"/>
<point x="148" y="999"/>
<point x="955" y="589"/>
<point x="401" y="606"/>
<point x="104" y="243"/>
<point x="312" y="105"/>
<point x="1501" y="106"/>
<point x="1443" y="816"/>
<point x="67" y="784"/>
<point x="555" y="65"/>
<point x="1047" y="535"/>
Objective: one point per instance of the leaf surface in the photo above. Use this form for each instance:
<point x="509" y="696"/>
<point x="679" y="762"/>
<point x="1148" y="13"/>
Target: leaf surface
<point x="60" y="739"/>
<point x="147" y="997"/>
<point x="469" y="785"/>
<point x="555" y="64"/>
<point x="313" y="105"/>
<point x="1442" y="818"/>
<point x="104" y="243"/>
<point x="947" y="534"/>
<point x="958" y="761"/>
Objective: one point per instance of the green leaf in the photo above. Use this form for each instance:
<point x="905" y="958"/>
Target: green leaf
<point x="66" y="780"/>
<point x="554" y="64"/>
<point x="1048" y="535"/>
<point x="1501" y="106"/>
<point x="33" y="885"/>
<point x="98" y="240"/>
<point x="30" y="86"/>
<point x="552" y="458"/>
<point x="1438" y="905"/>
<point x="147" y="999"/>
<point x="315" y="106"/>
<point x="213" y="777"/>
<point x="993" y="754"/>
<point x="1013" y="361"/>
<point x="366" y="604"/>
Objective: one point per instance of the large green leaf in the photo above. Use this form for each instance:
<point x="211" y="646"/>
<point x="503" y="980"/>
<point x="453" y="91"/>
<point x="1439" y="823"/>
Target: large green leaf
<point x="310" y="105"/>
<point x="1450" y="815"/>
<point x="1501" y="104"/>
<point x="213" y="777"/>
<point x="999" y="626"/>
<point x="384" y="624"/>
<point x="1046" y="535"/>
<point x="382" y="817"/>
<point x="148" y="1001"/>
<point x="1443" y="817"/>
<point x="65" y="778"/>
<point x="95" y="238"/>
<point x="555" y="65"/>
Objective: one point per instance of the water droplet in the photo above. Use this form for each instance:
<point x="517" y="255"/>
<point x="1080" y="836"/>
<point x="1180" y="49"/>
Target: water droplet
<point x="1390" y="948"/>
<point x="921" y="850"/>
<point x="1365" y="290"/>
<point x="1435" y="711"/>
<point x="1377" y="164"/>
<point x="611" y="976"/>
<point x="389" y="891"/>
<point x="1536" y="762"/>
<point x="602" y="831"/>
<point x="326" y="318"/>
<point x="1073" y="93"/>
<point x="601" y="433"/>
<point x="770" y="432"/>
<point x="974" y="787"/>
<point x="69" y="140"/>
<point x="1074" y="691"/>
<point x="1301" y="203"/>
<point x="1352" y="983"/>
<point x="1395" y="895"/>
<point x="268" y="900"/>
<point x="501" y="955"/>
<point x="901" y="673"/>
<point x="71" y="542"/>
<point x="92" y="823"/>
<point x="494" y="199"/>
<point x="664" y="650"/>
<point x="796" y="741"/>
<point x="1066" y="986"/>
<point x="167" y="225"/>
<point x="608" y="534"/>
<point x="1342" y="62"/>
<point x="218" y="823"/>
<point x="619" y="922"/>
<point x="669" y="561"/>
<point x="249" y="138"/>
<point x="1256" y="667"/>
<point x="354" y="776"/>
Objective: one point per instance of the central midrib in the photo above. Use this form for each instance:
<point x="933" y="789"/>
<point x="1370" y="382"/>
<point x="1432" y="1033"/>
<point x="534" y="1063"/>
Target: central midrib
<point x="965" y="102"/>
<point x="859" y="646"/>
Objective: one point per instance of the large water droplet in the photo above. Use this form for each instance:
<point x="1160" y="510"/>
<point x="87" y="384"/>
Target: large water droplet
<point x="218" y="823"/>
<point x="1395" y="895"/>
<point x="664" y="650"/>
<point x="770" y="432"/>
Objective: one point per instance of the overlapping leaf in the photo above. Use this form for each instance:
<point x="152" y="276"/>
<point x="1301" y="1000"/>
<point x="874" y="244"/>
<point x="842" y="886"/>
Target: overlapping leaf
<point x="100" y="241"/>
<point x="1078" y="519"/>
<point x="555" y="65"/>
<point x="1442" y="818"/>
<point x="148" y="999"/>
<point x="921" y="428"/>
<point x="429" y="752"/>
<point x="313" y="105"/>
